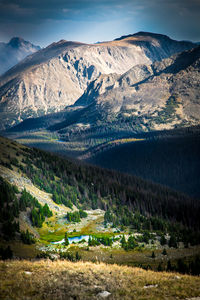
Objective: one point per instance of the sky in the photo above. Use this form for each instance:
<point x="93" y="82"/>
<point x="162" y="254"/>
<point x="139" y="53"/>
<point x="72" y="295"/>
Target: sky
<point x="45" y="21"/>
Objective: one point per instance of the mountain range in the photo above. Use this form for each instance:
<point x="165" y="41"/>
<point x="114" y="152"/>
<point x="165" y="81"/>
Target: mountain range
<point x="162" y="95"/>
<point x="14" y="51"/>
<point x="57" y="76"/>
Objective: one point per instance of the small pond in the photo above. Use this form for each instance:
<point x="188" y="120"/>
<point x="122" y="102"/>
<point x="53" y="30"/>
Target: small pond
<point x="74" y="239"/>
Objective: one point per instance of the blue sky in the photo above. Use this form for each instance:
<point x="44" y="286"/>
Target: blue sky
<point x="45" y="21"/>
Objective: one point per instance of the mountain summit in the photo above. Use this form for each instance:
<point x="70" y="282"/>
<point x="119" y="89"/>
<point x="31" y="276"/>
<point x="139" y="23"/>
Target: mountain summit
<point x="14" y="51"/>
<point x="55" y="77"/>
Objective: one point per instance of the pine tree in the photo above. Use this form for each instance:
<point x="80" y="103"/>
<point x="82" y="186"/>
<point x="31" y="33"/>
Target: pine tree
<point x="163" y="240"/>
<point x="160" y="268"/>
<point x="66" y="239"/>
<point x="123" y="242"/>
<point x="169" y="266"/>
<point x="131" y="242"/>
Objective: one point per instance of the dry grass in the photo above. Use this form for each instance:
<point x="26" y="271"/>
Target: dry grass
<point x="66" y="280"/>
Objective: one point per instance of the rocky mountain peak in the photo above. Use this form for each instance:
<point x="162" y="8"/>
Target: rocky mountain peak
<point x="16" y="42"/>
<point x="14" y="51"/>
<point x="57" y="76"/>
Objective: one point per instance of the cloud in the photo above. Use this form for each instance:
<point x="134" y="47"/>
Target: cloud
<point x="177" y="18"/>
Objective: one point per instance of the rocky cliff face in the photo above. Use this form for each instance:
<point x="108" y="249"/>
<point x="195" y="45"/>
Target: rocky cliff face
<point x="55" y="77"/>
<point x="13" y="52"/>
<point x="163" y="95"/>
<point x="147" y="97"/>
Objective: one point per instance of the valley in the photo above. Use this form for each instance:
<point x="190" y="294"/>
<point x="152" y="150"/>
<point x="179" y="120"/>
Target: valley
<point x="100" y="170"/>
<point x="98" y="236"/>
<point x="168" y="157"/>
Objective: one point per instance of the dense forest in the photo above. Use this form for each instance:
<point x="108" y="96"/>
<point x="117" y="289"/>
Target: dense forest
<point x="127" y="200"/>
<point x="172" y="160"/>
<point x="12" y="202"/>
<point x="85" y="186"/>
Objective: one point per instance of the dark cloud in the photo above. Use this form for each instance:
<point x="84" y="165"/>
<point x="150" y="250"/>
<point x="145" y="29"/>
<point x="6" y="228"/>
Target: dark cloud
<point x="179" y="18"/>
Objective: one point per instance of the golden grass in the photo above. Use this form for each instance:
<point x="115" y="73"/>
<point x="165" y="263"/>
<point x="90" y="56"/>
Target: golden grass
<point x="127" y="140"/>
<point x="67" y="280"/>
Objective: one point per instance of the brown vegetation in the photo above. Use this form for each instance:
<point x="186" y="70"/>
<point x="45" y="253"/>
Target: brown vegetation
<point x="67" y="280"/>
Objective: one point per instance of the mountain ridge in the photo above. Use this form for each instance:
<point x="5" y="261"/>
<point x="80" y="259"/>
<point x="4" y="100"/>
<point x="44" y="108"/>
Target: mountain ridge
<point x="14" y="51"/>
<point x="58" y="75"/>
<point x="158" y="96"/>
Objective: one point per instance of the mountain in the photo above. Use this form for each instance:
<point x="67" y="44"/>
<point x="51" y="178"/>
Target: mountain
<point x="13" y="52"/>
<point x="160" y="96"/>
<point x="147" y="97"/>
<point x="55" y="77"/>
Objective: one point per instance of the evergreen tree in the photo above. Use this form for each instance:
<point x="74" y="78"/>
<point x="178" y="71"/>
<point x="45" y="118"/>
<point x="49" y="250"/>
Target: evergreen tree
<point x="66" y="239"/>
<point x="169" y="266"/>
<point x="172" y="241"/>
<point x="164" y="252"/>
<point x="6" y="253"/>
<point x="123" y="242"/>
<point x="27" y="237"/>
<point x="160" y="268"/>
<point x="131" y="242"/>
<point x="163" y="240"/>
<point x="78" y="257"/>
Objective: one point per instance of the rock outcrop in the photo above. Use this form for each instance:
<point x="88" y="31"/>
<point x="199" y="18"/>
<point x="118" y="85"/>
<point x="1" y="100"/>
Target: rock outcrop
<point x="147" y="97"/>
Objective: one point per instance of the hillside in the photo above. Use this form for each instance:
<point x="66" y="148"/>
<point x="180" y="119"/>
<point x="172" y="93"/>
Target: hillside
<point x="168" y="157"/>
<point x="44" y="197"/>
<point x="86" y="230"/>
<point x="67" y="280"/>
<point x="55" y="77"/>
<point x="13" y="52"/>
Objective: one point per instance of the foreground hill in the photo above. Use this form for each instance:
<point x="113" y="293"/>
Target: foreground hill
<point x="13" y="52"/>
<point x="57" y="76"/>
<point x="67" y="280"/>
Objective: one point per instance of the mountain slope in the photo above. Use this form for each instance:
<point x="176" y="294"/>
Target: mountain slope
<point x="88" y="186"/>
<point x="159" y="96"/>
<point x="13" y="52"/>
<point x="57" y="76"/>
<point x="168" y="157"/>
<point x="136" y="218"/>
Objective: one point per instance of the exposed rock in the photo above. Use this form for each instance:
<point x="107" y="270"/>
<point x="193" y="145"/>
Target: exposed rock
<point x="55" y="77"/>
<point x="28" y="273"/>
<point x="177" y="277"/>
<point x="150" y="286"/>
<point x="158" y="96"/>
<point x="103" y="294"/>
